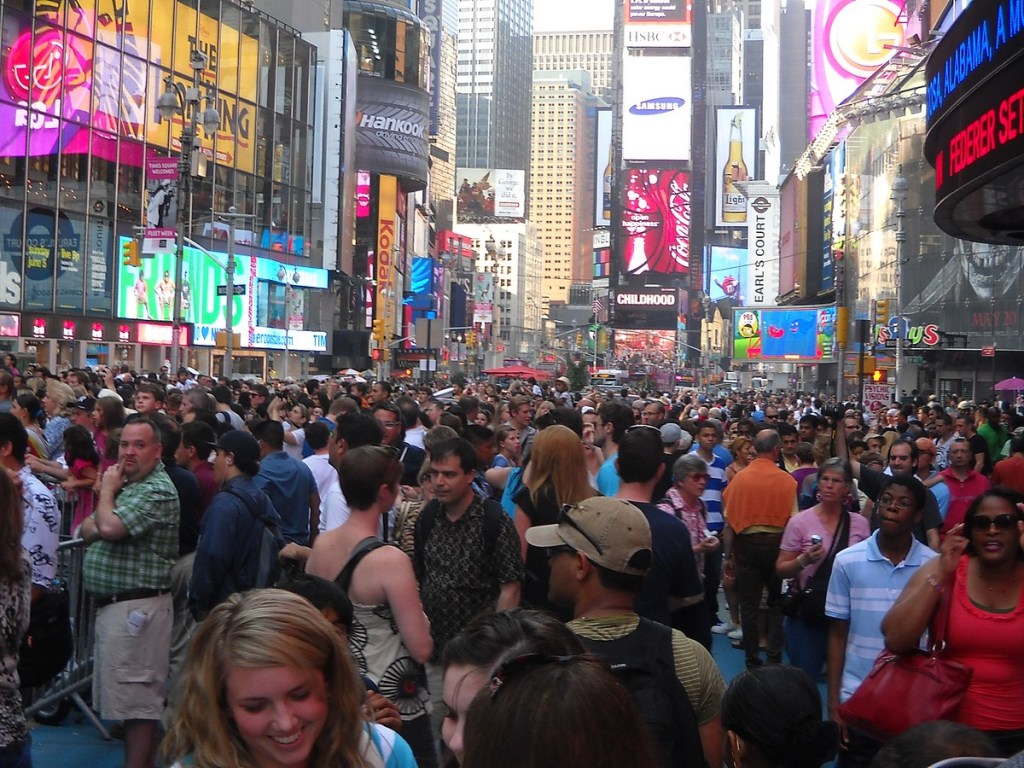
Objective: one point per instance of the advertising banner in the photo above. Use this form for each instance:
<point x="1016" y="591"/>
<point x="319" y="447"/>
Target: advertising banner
<point x="646" y="309"/>
<point x="99" y="287"/>
<point x="736" y="140"/>
<point x="384" y="302"/>
<point x="72" y="83"/>
<point x="655" y="224"/>
<point x="850" y="40"/>
<point x="161" y="202"/>
<point x="429" y="12"/>
<point x="728" y="272"/>
<point x="657" y="108"/>
<point x="657" y="11"/>
<point x="603" y="169"/>
<point x="660" y="35"/>
<point x="878" y="396"/>
<point x="391" y="130"/>
<point x="829" y="200"/>
<point x="489" y="195"/>
<point x="788" y="236"/>
<point x="806" y="334"/>
<point x="483" y="297"/>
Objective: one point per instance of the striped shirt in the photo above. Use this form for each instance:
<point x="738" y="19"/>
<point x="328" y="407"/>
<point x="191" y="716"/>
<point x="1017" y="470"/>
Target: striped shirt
<point x="863" y="587"/>
<point x="712" y="496"/>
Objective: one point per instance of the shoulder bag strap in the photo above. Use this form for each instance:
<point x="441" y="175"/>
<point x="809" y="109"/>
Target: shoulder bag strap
<point x="821" y="576"/>
<point x="940" y="620"/>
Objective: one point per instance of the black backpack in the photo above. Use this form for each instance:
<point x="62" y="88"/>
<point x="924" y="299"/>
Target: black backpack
<point x="493" y="512"/>
<point x="268" y="567"/>
<point x="49" y="642"/>
<point x="643" y="662"/>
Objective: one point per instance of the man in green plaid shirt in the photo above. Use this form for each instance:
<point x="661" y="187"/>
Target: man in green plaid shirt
<point x="133" y="542"/>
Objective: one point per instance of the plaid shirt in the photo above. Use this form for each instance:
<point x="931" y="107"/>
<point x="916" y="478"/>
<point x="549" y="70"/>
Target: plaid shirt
<point x="150" y="512"/>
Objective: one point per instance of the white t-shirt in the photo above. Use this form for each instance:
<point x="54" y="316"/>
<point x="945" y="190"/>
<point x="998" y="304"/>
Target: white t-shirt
<point x="295" y="451"/>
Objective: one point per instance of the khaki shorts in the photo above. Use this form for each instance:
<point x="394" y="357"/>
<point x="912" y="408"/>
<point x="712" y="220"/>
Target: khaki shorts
<point x="131" y="662"/>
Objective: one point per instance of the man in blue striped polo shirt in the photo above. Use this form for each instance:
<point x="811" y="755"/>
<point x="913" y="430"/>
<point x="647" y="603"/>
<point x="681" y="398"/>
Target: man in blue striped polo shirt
<point x="867" y="579"/>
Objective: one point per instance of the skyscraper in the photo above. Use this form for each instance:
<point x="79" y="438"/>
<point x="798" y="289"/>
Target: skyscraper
<point x="495" y="64"/>
<point x="590" y="51"/>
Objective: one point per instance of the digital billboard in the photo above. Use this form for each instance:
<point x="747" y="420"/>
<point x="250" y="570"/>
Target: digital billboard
<point x="81" y="80"/>
<point x="727" y="270"/>
<point x="655" y="310"/>
<point x="603" y="172"/>
<point x="802" y="335"/>
<point x="850" y="40"/>
<point x="488" y="195"/>
<point x="735" y="160"/>
<point x="657" y="108"/>
<point x="655" y="225"/>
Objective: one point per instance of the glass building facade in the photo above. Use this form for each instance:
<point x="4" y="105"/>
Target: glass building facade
<point x="78" y="92"/>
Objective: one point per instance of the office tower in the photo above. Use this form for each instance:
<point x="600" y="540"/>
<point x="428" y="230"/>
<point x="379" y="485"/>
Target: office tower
<point x="495" y="62"/>
<point x="590" y="51"/>
<point x="562" y="182"/>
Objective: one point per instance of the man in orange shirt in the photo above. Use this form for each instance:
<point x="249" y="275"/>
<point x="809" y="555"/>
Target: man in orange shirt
<point x="757" y="504"/>
<point x="1010" y="472"/>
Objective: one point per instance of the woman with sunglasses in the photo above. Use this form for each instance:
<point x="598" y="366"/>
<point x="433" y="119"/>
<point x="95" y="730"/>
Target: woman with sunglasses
<point x="391" y="635"/>
<point x="981" y="569"/>
<point x="805" y="548"/>
<point x="683" y="500"/>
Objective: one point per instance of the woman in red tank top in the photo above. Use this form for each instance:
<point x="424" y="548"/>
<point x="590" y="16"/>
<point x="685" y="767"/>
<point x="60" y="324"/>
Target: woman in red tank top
<point x="982" y="565"/>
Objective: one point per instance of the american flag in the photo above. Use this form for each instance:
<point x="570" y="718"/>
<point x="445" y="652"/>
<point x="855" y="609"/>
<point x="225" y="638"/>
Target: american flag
<point x="600" y="308"/>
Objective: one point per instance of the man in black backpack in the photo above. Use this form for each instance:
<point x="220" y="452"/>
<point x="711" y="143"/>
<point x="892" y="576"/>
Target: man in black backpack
<point x="231" y="555"/>
<point x="600" y="552"/>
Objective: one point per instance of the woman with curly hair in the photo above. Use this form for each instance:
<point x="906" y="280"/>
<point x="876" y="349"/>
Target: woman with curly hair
<point x="269" y="684"/>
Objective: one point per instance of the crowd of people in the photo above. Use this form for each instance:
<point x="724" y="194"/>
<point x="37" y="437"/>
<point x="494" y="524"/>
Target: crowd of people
<point x="339" y="573"/>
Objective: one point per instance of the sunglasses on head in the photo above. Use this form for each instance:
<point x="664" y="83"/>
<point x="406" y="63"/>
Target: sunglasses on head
<point x="509" y="669"/>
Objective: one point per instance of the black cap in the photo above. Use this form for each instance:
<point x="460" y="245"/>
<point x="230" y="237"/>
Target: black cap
<point x="243" y="446"/>
<point x="84" y="403"/>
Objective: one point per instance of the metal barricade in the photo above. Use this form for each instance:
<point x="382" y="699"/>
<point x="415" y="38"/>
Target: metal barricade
<point x="47" y="703"/>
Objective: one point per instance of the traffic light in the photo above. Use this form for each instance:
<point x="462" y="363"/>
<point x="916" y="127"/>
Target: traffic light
<point x="471" y="338"/>
<point x="375" y="354"/>
<point x="882" y="312"/>
<point x="130" y="253"/>
<point x="879" y="376"/>
<point x="378" y="331"/>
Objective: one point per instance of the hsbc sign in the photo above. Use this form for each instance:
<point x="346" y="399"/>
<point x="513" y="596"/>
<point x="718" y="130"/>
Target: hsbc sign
<point x="659" y="36"/>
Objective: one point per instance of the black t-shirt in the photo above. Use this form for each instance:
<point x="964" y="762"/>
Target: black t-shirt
<point x="980" y="445"/>
<point x="537" y="571"/>
<point x="661" y="489"/>
<point x="674" y="572"/>
<point x="871" y="482"/>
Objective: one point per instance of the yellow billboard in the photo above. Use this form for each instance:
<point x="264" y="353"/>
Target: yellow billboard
<point x="386" y="248"/>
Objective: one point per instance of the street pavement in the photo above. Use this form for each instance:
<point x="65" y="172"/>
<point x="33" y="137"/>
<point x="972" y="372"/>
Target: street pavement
<point x="77" y="742"/>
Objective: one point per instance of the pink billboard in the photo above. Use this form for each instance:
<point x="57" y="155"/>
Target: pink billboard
<point x="851" y="39"/>
<point x="656" y="222"/>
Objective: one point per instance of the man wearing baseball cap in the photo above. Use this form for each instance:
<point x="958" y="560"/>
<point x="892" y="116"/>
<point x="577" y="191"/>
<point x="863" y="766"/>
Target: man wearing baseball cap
<point x="230" y="536"/>
<point x="600" y="551"/>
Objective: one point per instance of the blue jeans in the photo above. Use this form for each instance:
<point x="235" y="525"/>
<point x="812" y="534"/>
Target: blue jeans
<point x="806" y="645"/>
<point x="17" y="755"/>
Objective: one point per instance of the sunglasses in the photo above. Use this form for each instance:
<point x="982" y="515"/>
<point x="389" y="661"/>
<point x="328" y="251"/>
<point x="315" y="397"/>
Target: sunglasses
<point x="566" y="518"/>
<point x="509" y="669"/>
<point x="983" y="523"/>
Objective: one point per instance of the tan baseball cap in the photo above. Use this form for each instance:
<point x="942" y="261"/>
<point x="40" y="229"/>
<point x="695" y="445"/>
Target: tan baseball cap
<point x="611" y="532"/>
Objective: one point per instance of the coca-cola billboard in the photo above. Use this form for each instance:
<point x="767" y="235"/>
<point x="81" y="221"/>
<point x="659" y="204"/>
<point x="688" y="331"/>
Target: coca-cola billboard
<point x="655" y="226"/>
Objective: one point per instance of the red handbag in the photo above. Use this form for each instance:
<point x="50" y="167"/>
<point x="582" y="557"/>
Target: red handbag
<point x="904" y="690"/>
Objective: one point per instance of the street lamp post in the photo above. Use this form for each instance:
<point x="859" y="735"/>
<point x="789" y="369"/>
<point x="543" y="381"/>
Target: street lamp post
<point x="177" y="99"/>
<point x="900" y="189"/>
<point x="229" y="269"/>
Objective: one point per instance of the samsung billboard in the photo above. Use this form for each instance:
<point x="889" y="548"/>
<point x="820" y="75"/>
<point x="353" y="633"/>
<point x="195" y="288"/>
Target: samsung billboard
<point x="646" y="309"/>
<point x="656" y="108"/>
